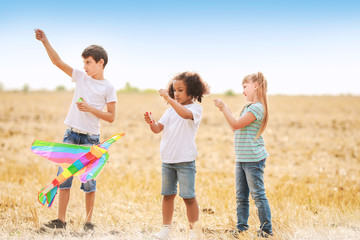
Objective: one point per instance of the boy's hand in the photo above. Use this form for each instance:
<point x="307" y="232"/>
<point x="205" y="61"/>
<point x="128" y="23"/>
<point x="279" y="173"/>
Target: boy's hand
<point x="83" y="106"/>
<point x="148" y="118"/>
<point x="219" y="103"/>
<point x="40" y="35"/>
<point x="165" y="94"/>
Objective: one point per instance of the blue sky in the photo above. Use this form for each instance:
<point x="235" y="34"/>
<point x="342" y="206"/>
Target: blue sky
<point x="302" y="47"/>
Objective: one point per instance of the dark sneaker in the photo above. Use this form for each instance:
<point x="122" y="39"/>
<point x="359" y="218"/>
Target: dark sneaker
<point x="264" y="233"/>
<point x="56" y="224"/>
<point x="89" y="227"/>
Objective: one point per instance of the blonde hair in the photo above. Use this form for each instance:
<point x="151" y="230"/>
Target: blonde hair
<point x="261" y="94"/>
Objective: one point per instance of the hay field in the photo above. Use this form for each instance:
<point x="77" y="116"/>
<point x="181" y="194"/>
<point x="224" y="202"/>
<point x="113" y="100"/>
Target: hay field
<point x="312" y="177"/>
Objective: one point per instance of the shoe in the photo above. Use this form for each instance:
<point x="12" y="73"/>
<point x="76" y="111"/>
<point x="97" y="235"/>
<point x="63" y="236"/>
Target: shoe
<point x="235" y="232"/>
<point x="264" y="233"/>
<point x="192" y="235"/>
<point x="89" y="227"/>
<point x="164" y="234"/>
<point x="56" y="224"/>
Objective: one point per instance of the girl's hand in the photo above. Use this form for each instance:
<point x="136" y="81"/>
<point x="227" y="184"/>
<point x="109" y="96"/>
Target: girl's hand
<point x="164" y="93"/>
<point x="40" y="35"/>
<point x="83" y="106"/>
<point x="219" y="103"/>
<point x="148" y="118"/>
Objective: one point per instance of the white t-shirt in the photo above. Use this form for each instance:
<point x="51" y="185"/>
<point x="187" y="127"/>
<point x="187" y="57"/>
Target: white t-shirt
<point x="178" y="139"/>
<point x="97" y="93"/>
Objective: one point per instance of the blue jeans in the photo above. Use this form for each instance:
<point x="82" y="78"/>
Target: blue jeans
<point x="79" y="139"/>
<point x="184" y="173"/>
<point x="250" y="179"/>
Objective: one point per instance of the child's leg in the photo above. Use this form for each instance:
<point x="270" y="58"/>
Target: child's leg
<point x="242" y="198"/>
<point x="64" y="191"/>
<point x="89" y="188"/>
<point x="168" y="190"/>
<point x="255" y="178"/>
<point x="192" y="210"/>
<point x="89" y="204"/>
<point x="186" y="174"/>
<point x="168" y="209"/>
<point x="64" y="196"/>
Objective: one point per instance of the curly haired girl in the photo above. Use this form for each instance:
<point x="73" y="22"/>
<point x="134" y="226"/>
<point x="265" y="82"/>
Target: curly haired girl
<point x="178" y="150"/>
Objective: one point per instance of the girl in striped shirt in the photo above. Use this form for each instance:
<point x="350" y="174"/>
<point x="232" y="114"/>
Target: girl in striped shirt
<point x="250" y="152"/>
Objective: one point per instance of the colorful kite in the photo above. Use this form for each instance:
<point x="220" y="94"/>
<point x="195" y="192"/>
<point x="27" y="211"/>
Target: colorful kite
<point x="85" y="161"/>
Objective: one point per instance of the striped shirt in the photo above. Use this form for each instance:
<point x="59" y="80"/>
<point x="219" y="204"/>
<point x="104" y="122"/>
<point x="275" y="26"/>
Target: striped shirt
<point x="247" y="149"/>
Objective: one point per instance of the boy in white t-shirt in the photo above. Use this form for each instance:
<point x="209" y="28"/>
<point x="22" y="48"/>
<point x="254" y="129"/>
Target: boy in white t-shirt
<point x="177" y="148"/>
<point x="83" y="119"/>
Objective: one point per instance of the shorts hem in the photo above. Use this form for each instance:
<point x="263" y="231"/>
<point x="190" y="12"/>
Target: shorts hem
<point x="188" y="197"/>
<point x="168" y="194"/>
<point x="89" y="191"/>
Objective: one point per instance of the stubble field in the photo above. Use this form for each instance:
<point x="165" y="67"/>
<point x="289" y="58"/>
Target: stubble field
<point x="311" y="177"/>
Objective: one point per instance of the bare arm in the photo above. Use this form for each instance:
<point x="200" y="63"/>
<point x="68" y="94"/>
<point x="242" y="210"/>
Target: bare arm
<point x="234" y="123"/>
<point x="180" y="109"/>
<point x="155" y="127"/>
<point x="108" y="116"/>
<point x="54" y="57"/>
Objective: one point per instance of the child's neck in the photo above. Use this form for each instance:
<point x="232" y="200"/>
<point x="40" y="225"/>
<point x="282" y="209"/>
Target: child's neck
<point x="98" y="76"/>
<point x="255" y="99"/>
<point x="188" y="102"/>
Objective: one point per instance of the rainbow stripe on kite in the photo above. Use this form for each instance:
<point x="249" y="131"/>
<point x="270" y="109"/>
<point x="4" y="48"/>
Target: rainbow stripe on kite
<point x="85" y="161"/>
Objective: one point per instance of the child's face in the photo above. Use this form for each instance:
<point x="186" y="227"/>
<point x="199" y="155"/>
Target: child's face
<point x="180" y="93"/>
<point x="250" y="90"/>
<point x="93" y="68"/>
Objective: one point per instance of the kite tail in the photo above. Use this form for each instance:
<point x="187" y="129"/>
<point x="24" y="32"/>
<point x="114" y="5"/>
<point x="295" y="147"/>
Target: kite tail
<point x="47" y="195"/>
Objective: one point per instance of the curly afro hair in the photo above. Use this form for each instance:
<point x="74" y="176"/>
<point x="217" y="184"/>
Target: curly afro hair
<point x="195" y="86"/>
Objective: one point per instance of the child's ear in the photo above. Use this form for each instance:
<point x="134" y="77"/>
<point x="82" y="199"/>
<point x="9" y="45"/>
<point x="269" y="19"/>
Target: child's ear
<point x="101" y="61"/>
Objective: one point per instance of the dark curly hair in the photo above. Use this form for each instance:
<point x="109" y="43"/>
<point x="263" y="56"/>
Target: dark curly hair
<point x="195" y="86"/>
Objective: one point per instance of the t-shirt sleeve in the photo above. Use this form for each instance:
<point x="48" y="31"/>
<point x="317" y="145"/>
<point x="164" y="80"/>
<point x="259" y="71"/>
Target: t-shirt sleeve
<point x="196" y="110"/>
<point x="77" y="75"/>
<point x="257" y="110"/>
<point x="111" y="95"/>
<point x="165" y="117"/>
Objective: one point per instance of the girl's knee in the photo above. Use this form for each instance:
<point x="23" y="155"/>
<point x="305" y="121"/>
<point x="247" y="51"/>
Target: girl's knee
<point x="169" y="197"/>
<point x="189" y="200"/>
<point x="260" y="197"/>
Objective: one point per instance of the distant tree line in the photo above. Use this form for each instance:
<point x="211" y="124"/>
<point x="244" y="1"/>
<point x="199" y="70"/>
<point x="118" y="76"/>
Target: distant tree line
<point x="128" y="88"/>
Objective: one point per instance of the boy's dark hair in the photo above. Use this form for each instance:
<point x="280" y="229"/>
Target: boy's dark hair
<point x="195" y="86"/>
<point x="96" y="52"/>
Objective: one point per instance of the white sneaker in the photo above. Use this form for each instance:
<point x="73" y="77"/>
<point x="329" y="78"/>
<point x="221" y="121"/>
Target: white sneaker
<point x="164" y="234"/>
<point x="192" y="234"/>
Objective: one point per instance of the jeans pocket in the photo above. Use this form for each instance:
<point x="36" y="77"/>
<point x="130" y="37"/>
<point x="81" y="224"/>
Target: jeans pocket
<point x="93" y="139"/>
<point x="262" y="164"/>
<point x="66" y="135"/>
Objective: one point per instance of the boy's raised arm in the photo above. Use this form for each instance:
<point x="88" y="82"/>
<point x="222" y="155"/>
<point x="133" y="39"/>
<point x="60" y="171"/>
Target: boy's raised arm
<point x="54" y="57"/>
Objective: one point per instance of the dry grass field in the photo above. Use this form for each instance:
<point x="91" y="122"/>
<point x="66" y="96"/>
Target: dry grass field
<point x="312" y="177"/>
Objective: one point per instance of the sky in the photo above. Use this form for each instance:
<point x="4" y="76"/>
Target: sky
<point x="302" y="47"/>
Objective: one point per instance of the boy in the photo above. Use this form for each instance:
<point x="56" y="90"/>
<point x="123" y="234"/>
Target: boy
<point x="83" y="119"/>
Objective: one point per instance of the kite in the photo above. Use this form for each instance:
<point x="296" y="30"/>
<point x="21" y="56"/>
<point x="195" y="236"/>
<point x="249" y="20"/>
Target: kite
<point x="85" y="161"/>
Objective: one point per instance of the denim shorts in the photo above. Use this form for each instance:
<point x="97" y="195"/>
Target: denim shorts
<point x="184" y="173"/>
<point x="72" y="137"/>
